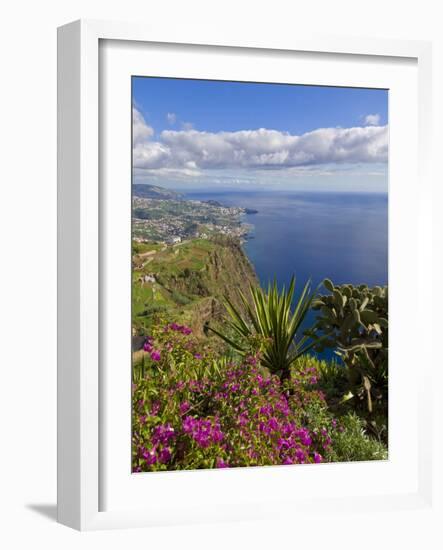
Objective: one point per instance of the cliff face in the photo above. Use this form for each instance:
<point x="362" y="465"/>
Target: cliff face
<point x="191" y="282"/>
<point x="228" y="271"/>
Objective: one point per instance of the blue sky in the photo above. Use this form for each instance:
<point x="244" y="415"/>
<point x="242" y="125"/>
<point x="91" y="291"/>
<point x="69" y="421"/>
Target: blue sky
<point x="193" y="133"/>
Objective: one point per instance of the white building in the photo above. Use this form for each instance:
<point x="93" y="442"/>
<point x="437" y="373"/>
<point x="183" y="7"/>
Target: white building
<point x="174" y="240"/>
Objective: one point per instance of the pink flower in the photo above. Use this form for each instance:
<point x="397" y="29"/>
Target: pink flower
<point x="165" y="455"/>
<point x="155" y="355"/>
<point x="204" y="431"/>
<point x="300" y="456"/>
<point x="147" y="346"/>
<point x="163" y="433"/>
<point x="221" y="463"/>
<point x="317" y="458"/>
<point x="149" y="455"/>
<point x="273" y="424"/>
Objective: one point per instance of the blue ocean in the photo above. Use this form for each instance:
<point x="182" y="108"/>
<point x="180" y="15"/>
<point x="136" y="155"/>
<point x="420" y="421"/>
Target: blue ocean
<point x="342" y="236"/>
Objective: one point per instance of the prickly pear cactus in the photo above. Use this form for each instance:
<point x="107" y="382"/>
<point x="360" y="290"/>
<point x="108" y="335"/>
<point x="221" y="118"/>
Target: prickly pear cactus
<point x="354" y="321"/>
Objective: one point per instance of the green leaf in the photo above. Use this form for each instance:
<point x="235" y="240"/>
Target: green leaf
<point x="348" y="323"/>
<point x="327" y="283"/>
<point x="347" y="397"/>
<point x="339" y="300"/>
<point x="368" y="316"/>
<point x="356" y="315"/>
<point x="272" y="315"/>
<point x="226" y="339"/>
<point x="377" y="328"/>
<point x="347" y="291"/>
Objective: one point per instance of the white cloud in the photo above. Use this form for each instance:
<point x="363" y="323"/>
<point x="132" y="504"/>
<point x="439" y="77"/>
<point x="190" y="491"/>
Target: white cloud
<point x="171" y="118"/>
<point x="140" y="130"/>
<point x="260" y="149"/>
<point x="186" y="126"/>
<point x="372" y="120"/>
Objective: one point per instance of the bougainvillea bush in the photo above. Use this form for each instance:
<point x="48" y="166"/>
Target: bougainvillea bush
<point x="193" y="410"/>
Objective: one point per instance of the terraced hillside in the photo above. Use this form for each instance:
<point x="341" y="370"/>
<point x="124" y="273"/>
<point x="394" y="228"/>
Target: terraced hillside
<point x="186" y="282"/>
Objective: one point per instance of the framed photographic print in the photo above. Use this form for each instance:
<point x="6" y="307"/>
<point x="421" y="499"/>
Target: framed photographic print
<point x="238" y="226"/>
<point x="234" y="364"/>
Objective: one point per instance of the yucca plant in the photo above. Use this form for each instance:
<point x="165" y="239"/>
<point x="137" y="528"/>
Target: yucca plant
<point x="274" y="318"/>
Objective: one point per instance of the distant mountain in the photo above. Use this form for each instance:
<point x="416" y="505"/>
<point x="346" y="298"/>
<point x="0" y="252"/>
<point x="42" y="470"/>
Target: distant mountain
<point x="146" y="191"/>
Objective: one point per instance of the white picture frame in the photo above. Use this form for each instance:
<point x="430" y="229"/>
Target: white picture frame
<point x="81" y="409"/>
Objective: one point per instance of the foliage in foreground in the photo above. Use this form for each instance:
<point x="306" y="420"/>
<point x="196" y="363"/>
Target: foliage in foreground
<point x="354" y="321"/>
<point x="192" y="410"/>
<point x="276" y="320"/>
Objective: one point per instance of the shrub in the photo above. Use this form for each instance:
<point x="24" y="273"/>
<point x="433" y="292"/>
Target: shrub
<point x="333" y="381"/>
<point x="193" y="410"/>
<point x="151" y="309"/>
<point x="179" y="298"/>
<point x="348" y="437"/>
<point x="276" y="321"/>
<point x="351" y="442"/>
<point x="354" y="320"/>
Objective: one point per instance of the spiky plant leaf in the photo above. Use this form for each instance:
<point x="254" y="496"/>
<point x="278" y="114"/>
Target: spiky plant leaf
<point x="273" y="315"/>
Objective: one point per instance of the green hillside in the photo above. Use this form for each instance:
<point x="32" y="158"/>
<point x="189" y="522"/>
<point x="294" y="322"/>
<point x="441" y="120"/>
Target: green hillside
<point x="186" y="282"/>
<point x="154" y="192"/>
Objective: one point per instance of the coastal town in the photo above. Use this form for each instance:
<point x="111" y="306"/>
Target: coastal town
<point x="173" y="221"/>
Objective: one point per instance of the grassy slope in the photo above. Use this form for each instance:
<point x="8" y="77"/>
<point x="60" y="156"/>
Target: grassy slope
<point x="191" y="280"/>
